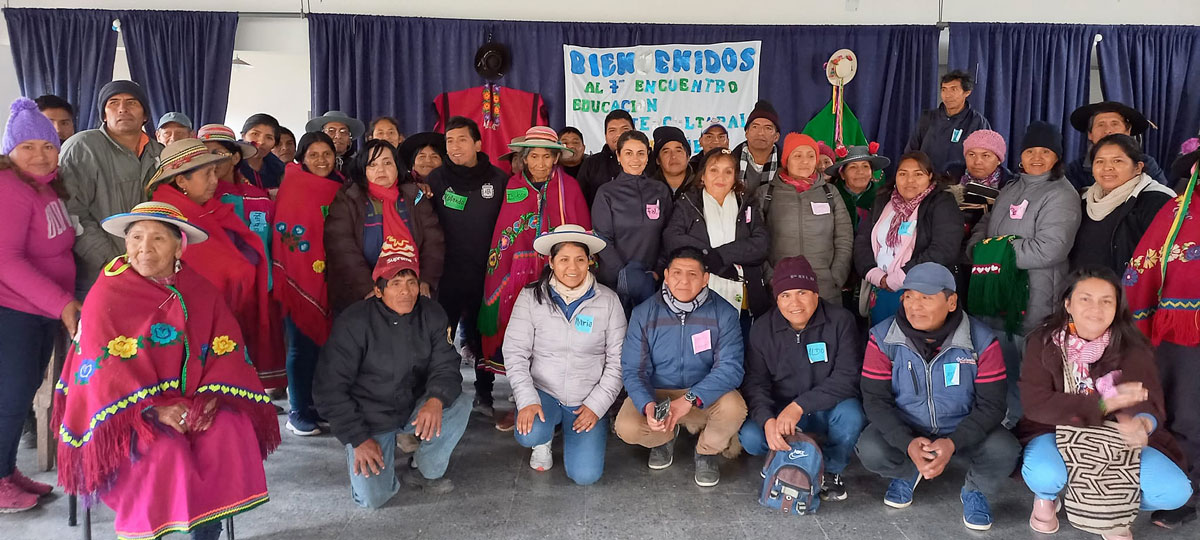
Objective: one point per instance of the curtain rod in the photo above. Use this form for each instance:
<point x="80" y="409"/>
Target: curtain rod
<point x="273" y="14"/>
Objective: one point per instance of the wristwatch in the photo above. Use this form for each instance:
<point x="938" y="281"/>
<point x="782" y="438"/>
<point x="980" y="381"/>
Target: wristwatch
<point x="692" y="398"/>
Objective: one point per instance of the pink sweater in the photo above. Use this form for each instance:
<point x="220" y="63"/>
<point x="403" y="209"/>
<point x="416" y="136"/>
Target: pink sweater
<point x="36" y="237"/>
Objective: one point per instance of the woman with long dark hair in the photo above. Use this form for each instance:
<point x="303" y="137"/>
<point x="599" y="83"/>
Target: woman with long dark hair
<point x="307" y="191"/>
<point x="914" y="220"/>
<point x="630" y="213"/>
<point x="373" y="210"/>
<point x="37" y="285"/>
<point x="562" y="350"/>
<point x="1090" y="374"/>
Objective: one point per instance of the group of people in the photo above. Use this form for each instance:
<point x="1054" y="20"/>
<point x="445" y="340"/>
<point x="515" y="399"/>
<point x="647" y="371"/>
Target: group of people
<point x="1015" y="318"/>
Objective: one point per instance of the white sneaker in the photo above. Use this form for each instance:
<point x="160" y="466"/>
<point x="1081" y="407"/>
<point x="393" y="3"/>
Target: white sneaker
<point x="541" y="459"/>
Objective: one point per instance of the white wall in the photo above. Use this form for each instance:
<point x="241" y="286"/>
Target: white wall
<point x="277" y="48"/>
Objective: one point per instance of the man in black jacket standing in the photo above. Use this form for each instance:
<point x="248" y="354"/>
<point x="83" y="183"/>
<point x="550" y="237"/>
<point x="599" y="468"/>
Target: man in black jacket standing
<point x="467" y="193"/>
<point x="388" y="368"/>
<point x="940" y="132"/>
<point x="601" y="167"/>
<point x="802" y="368"/>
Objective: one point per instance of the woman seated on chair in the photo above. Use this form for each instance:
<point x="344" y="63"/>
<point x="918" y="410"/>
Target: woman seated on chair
<point x="1087" y="365"/>
<point x="159" y="412"/>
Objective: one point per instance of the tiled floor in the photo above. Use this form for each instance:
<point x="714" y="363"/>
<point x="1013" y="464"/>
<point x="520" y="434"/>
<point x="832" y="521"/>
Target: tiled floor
<point x="498" y="496"/>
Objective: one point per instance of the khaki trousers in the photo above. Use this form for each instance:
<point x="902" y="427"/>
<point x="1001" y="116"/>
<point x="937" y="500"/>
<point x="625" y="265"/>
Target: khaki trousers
<point x="718" y="423"/>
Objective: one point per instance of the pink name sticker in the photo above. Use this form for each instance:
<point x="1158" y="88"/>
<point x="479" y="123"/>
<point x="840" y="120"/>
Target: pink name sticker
<point x="701" y="342"/>
<point x="652" y="211"/>
<point x="1017" y="211"/>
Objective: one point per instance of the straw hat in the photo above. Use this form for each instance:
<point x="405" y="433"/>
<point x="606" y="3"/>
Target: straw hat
<point x="219" y="133"/>
<point x="153" y="211"/>
<point x="568" y="233"/>
<point x="184" y="155"/>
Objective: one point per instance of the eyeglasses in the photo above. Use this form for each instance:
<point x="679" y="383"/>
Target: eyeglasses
<point x="221" y="153"/>
<point x="337" y="132"/>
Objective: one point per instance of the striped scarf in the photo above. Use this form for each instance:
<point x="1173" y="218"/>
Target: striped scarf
<point x="679" y="307"/>
<point x="902" y="211"/>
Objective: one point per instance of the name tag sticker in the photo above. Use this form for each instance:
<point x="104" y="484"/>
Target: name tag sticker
<point x="454" y="201"/>
<point x="951" y="372"/>
<point x="516" y="195"/>
<point x="956" y="135"/>
<point x="820" y="208"/>
<point x="701" y="342"/>
<point x="583" y="323"/>
<point x="1017" y="211"/>
<point x="906" y="228"/>
<point x="817" y="352"/>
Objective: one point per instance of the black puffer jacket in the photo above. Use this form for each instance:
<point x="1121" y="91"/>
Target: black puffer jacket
<point x="939" y="233"/>
<point x="378" y="365"/>
<point x="689" y="227"/>
<point x="1111" y="241"/>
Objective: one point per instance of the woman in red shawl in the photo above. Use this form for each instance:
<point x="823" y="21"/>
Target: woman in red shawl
<point x="298" y="247"/>
<point x="234" y="258"/>
<point x="536" y="201"/>
<point x="159" y="413"/>
<point x="1161" y="284"/>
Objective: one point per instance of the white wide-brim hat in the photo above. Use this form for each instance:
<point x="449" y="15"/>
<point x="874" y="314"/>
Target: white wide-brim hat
<point x="153" y="211"/>
<point x="568" y="233"/>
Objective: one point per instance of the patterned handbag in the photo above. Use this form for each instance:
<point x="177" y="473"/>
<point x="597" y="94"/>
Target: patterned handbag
<point x="1103" y="491"/>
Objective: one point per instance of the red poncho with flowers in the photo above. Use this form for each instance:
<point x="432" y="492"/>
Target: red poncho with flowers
<point x="1166" y="302"/>
<point x="143" y="344"/>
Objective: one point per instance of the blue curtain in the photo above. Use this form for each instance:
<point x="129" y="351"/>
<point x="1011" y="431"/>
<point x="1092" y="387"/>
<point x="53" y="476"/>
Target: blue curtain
<point x="1156" y="70"/>
<point x="66" y="52"/>
<point x="1023" y="73"/>
<point x="370" y="66"/>
<point x="183" y="59"/>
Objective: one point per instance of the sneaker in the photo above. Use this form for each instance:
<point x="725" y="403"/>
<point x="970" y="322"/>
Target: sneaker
<point x="483" y="408"/>
<point x="900" y="492"/>
<point x="663" y="456"/>
<point x="320" y="420"/>
<point x="708" y="470"/>
<point x="30" y="486"/>
<point x="13" y="498"/>
<point x="302" y="426"/>
<point x="437" y="486"/>
<point x="833" y="488"/>
<point x="977" y="516"/>
<point x="407" y="443"/>
<point x="505" y="421"/>
<point x="1170" y="519"/>
<point x="1044" y="517"/>
<point x="541" y="459"/>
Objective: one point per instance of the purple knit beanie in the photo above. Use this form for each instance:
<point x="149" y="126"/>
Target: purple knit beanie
<point x="26" y="123"/>
<point x="988" y="140"/>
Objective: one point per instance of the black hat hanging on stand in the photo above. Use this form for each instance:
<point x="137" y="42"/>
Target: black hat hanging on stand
<point x="492" y="59"/>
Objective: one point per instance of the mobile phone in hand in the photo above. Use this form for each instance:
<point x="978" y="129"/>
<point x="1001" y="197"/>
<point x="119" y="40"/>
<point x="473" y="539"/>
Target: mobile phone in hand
<point x="662" y="409"/>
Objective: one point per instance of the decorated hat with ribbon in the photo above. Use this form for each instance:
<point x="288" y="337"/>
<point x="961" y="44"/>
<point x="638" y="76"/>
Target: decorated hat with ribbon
<point x="184" y="155"/>
<point x="540" y="137"/>
<point x="117" y="225"/>
<point x="850" y="154"/>
<point x="220" y="133"/>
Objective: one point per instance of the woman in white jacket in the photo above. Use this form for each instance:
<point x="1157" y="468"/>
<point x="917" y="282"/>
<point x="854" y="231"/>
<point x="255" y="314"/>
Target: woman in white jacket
<point x="562" y="351"/>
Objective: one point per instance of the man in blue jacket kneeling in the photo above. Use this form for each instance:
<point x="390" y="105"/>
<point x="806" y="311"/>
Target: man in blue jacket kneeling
<point x="683" y="345"/>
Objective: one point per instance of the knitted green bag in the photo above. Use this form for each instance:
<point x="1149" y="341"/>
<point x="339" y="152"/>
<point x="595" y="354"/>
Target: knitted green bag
<point x="998" y="288"/>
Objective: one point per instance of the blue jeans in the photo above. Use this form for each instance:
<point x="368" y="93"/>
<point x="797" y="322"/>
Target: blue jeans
<point x="302" y="354"/>
<point x="841" y="425"/>
<point x="26" y="343"/>
<point x="1164" y="485"/>
<point x="432" y="457"/>
<point x="583" y="453"/>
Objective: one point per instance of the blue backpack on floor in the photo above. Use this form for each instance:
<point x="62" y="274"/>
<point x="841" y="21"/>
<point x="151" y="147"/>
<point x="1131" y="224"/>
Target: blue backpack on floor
<point x="792" y="480"/>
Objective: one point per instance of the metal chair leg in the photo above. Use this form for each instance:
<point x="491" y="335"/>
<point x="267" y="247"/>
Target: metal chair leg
<point x="87" y="524"/>
<point x="229" y="529"/>
<point x="72" y="511"/>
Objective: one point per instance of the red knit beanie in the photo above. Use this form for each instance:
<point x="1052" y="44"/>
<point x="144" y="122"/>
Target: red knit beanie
<point x="792" y="142"/>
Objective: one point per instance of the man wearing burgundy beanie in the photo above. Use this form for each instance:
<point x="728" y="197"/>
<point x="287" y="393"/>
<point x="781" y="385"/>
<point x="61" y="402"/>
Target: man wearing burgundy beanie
<point x="802" y="370"/>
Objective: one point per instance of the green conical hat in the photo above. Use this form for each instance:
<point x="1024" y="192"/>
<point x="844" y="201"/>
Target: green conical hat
<point x="822" y="127"/>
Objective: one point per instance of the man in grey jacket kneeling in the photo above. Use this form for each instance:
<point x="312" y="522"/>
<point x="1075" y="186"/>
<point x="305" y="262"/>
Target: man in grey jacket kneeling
<point x="389" y="368"/>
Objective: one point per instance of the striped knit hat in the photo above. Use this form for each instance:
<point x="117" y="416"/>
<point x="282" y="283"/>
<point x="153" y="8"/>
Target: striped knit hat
<point x="184" y="155"/>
